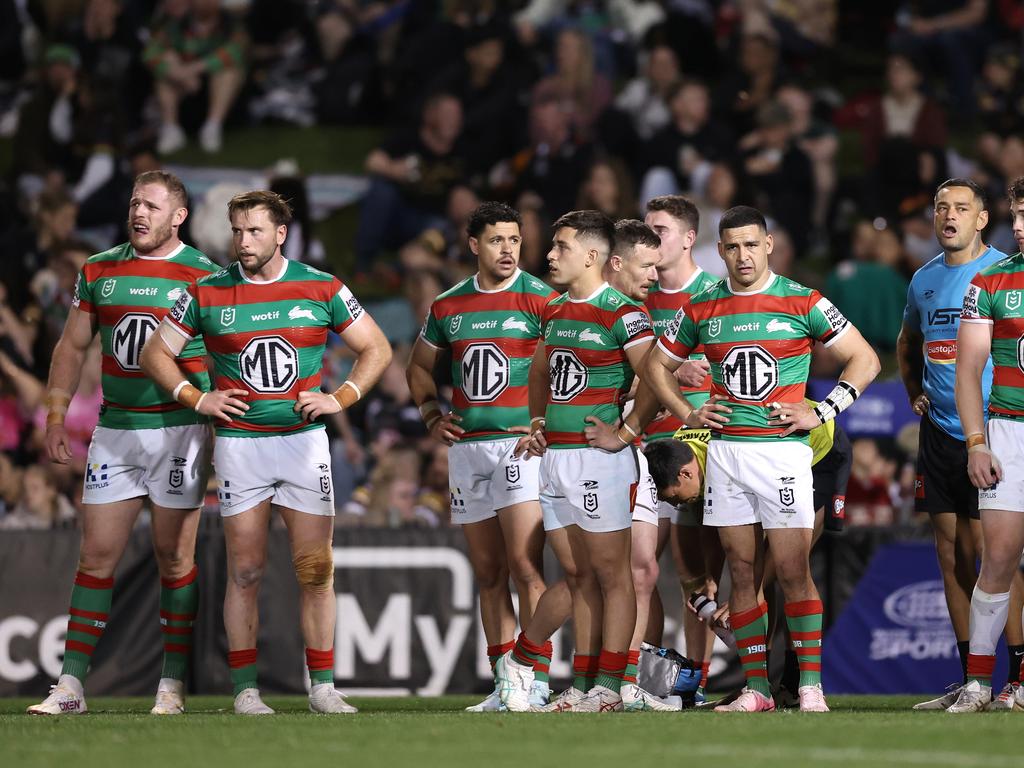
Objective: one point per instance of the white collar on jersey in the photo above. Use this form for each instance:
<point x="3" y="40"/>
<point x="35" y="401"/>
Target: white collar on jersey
<point x="280" y="274"/>
<point x="762" y="289"/>
<point x="171" y="255"/>
<point x="512" y="279"/>
<point x="600" y="288"/>
<point x="696" y="273"/>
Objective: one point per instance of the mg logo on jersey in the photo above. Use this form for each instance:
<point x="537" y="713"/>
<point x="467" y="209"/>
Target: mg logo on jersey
<point x="129" y="336"/>
<point x="269" y="364"/>
<point x="749" y="372"/>
<point x="454" y="324"/>
<point x="1013" y="300"/>
<point x="108" y="288"/>
<point x="485" y="372"/>
<point x="714" y="327"/>
<point x="227" y="316"/>
<point x="568" y="375"/>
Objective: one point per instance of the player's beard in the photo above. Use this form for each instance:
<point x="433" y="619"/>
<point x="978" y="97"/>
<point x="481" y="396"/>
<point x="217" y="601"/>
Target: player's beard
<point x="254" y="262"/>
<point x="157" y="237"/>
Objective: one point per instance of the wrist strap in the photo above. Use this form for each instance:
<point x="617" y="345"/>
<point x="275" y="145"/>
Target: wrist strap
<point x="348" y="394"/>
<point x="57" y="402"/>
<point x="188" y="395"/>
<point x="975" y="439"/>
<point x="837" y="401"/>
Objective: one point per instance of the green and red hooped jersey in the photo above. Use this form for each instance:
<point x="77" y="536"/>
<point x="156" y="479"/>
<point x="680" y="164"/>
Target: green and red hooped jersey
<point x="759" y="346"/>
<point x="267" y="338"/>
<point x="585" y="342"/>
<point x="492" y="336"/>
<point x="996" y="296"/>
<point x="129" y="295"/>
<point x="663" y="305"/>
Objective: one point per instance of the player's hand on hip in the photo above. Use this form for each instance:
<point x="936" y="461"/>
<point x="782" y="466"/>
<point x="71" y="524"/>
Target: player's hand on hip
<point x="691" y="373"/>
<point x="710" y="415"/>
<point x="446" y="429"/>
<point x="58" y="444"/>
<point x="601" y="435"/>
<point x="223" y="404"/>
<point x="983" y="467"/>
<point x="793" y="416"/>
<point x="920" y="405"/>
<point x="312" y="405"/>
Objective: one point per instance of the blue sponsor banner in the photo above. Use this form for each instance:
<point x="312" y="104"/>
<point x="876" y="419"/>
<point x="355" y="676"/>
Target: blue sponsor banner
<point x="894" y="634"/>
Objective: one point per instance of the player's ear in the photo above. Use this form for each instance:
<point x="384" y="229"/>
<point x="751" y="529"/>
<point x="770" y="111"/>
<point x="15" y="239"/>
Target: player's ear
<point x="769" y="243"/>
<point x="982" y="221"/>
<point x="282" y="233"/>
<point x="474" y="246"/>
<point x="179" y="217"/>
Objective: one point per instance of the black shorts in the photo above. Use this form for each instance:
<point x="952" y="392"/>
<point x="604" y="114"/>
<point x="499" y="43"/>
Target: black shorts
<point x="942" y="484"/>
<point x="832" y="473"/>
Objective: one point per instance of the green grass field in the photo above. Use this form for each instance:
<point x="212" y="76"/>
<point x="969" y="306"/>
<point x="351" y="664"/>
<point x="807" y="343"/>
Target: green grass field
<point x="861" y="731"/>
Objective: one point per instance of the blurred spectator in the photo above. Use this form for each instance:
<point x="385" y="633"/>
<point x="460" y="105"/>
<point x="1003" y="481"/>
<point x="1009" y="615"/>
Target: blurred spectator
<point x="42" y="505"/>
<point x="196" y="51"/>
<point x="679" y="156"/>
<point x="901" y="112"/>
<point x="868" y="499"/>
<point x="348" y="64"/>
<point x="951" y="34"/>
<point x="390" y="499"/>
<point x="869" y="288"/>
<point x="752" y="82"/>
<point x="486" y="85"/>
<point x="412" y="173"/>
<point x="279" y="58"/>
<point x="301" y="244"/>
<point x="803" y="26"/>
<point x="11" y="485"/>
<point x="645" y="99"/>
<point x="608" y="188"/>
<point x="583" y="92"/>
<point x="779" y="172"/>
<point x="549" y="172"/>
<point x="444" y="249"/>
<point x="719" y="196"/>
<point x="818" y="140"/>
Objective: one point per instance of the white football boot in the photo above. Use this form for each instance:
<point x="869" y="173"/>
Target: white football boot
<point x="563" y="702"/>
<point x="325" y="699"/>
<point x="66" y="698"/>
<point x="636" y="699"/>
<point x="974" y="697"/>
<point x="1010" y="698"/>
<point x="170" y="697"/>
<point x="749" y="700"/>
<point x="812" y="698"/>
<point x="540" y="693"/>
<point x="599" y="699"/>
<point x="491" y="704"/>
<point x="514" y="683"/>
<point x="248" y="702"/>
<point x="945" y="701"/>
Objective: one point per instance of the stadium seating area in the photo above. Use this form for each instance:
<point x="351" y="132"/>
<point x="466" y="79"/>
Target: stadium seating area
<point x="549" y="105"/>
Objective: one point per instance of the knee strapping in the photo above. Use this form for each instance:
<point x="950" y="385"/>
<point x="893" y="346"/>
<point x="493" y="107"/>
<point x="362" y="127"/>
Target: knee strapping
<point x="314" y="567"/>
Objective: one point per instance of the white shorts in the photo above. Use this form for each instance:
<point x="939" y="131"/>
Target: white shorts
<point x="1006" y="439"/>
<point x="484" y="477"/>
<point x="759" y="482"/>
<point x="169" y="464"/>
<point x="588" y="487"/>
<point x="293" y="471"/>
<point x="646" y="508"/>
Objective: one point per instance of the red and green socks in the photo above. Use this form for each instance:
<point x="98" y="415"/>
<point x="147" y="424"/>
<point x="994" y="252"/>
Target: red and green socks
<point x="804" y="622"/>
<point x="89" y="612"/>
<point x="632" y="662"/>
<point x="179" y="600"/>
<point x="584" y="671"/>
<point x="495" y="652"/>
<point x="530" y="654"/>
<point x="611" y="667"/>
<point x="980" y="668"/>
<point x="320" y="665"/>
<point x="705" y="667"/>
<point x="243" y="669"/>
<point x="750" y="627"/>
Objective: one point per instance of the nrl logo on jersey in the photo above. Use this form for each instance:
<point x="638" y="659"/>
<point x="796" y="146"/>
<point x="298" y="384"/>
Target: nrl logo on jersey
<point x="1013" y="300"/>
<point x="108" y="288"/>
<point x="715" y="327"/>
<point x="511" y="324"/>
<point x="455" y="323"/>
<point x="227" y="316"/>
<point x="588" y="335"/>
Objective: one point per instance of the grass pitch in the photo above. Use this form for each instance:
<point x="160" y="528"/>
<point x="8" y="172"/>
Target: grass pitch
<point x="870" y="731"/>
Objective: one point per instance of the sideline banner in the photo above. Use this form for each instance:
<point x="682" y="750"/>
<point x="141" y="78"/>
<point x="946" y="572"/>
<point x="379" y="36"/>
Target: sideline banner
<point x="894" y="635"/>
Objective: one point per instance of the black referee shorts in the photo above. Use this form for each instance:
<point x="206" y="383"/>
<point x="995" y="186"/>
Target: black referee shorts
<point x="942" y="484"/>
<point x="832" y="473"/>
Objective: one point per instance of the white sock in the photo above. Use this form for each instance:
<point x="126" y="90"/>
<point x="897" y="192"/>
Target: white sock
<point x="988" y="618"/>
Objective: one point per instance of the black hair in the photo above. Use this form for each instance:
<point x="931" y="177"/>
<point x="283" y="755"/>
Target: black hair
<point x="592" y="224"/>
<point x="979" y="191"/>
<point x="629" y="233"/>
<point x="664" y="460"/>
<point x="741" y="216"/>
<point x="490" y="212"/>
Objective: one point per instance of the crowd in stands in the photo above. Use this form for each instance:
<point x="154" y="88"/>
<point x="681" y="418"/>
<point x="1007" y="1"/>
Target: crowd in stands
<point x="836" y="118"/>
